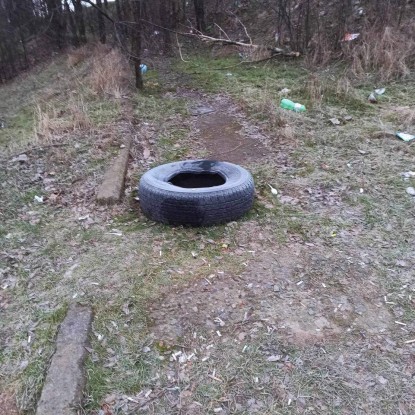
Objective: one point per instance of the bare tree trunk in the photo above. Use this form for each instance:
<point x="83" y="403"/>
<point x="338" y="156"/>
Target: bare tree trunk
<point x="57" y="25"/>
<point x="23" y="42"/>
<point x="106" y="4"/>
<point x="101" y="23"/>
<point x="72" y="25"/>
<point x="79" y="18"/>
<point x="118" y="9"/>
<point x="164" y="20"/>
<point x="136" y="43"/>
<point x="182" y="11"/>
<point x="200" y="15"/>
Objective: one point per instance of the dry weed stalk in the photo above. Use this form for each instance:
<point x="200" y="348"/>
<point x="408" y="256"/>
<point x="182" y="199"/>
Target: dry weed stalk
<point x="49" y="122"/>
<point x="42" y="127"/>
<point x="390" y="52"/>
<point x="109" y="72"/>
<point x="79" y="55"/>
<point x="314" y="90"/>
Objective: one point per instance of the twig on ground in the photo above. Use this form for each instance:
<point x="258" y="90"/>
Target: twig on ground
<point x="156" y="396"/>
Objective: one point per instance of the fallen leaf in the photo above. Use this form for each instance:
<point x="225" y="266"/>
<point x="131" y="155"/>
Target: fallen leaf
<point x="125" y="309"/>
<point x="146" y="153"/>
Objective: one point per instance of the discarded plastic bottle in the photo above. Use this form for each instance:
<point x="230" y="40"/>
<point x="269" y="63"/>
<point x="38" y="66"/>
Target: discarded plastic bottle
<point x="143" y="68"/>
<point x="293" y="106"/>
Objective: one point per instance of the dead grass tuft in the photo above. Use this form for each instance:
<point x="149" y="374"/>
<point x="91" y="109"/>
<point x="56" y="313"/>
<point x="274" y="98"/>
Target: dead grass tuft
<point x="50" y="121"/>
<point x="320" y="51"/>
<point x="256" y="54"/>
<point x="79" y="55"/>
<point x="390" y="53"/>
<point x="403" y="117"/>
<point x="109" y="74"/>
<point x="314" y="90"/>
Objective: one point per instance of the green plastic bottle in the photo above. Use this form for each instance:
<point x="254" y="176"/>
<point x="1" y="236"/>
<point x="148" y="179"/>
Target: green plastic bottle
<point x="293" y="106"/>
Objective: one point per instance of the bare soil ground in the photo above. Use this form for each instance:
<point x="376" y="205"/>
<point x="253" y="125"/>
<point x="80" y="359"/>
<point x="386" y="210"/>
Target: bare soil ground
<point x="304" y="306"/>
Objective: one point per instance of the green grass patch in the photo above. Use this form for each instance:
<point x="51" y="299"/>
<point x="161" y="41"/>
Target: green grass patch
<point x="19" y="128"/>
<point x="103" y="112"/>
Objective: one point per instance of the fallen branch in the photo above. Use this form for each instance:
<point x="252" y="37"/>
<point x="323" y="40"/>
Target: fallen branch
<point x="210" y="39"/>
<point x="274" y="51"/>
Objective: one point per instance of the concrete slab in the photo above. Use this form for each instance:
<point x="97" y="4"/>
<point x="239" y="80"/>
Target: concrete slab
<point x="112" y="185"/>
<point x="65" y="380"/>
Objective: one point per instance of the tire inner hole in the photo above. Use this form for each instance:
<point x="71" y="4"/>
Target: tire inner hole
<point x="196" y="180"/>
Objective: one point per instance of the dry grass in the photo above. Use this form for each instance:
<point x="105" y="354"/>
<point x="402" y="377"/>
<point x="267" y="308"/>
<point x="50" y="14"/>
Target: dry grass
<point x="314" y="90"/>
<point x="109" y="73"/>
<point x="51" y="122"/>
<point x="79" y="55"/>
<point x="403" y="117"/>
<point x="255" y="54"/>
<point x="406" y="117"/>
<point x="266" y="105"/>
<point x="390" y="53"/>
<point x="320" y="51"/>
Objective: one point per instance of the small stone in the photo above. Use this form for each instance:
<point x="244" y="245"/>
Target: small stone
<point x="410" y="191"/>
<point x="360" y="309"/>
<point x="348" y="118"/>
<point x="408" y="174"/>
<point x="275" y="358"/>
<point x="322" y="323"/>
<point x="334" y="121"/>
<point x="110" y="399"/>
<point x="146" y="349"/>
<point x="277" y="288"/>
<point x="201" y="110"/>
<point x="372" y="98"/>
<point x="382" y="380"/>
<point x="22" y="158"/>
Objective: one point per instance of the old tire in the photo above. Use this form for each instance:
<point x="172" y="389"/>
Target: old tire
<point x="196" y="192"/>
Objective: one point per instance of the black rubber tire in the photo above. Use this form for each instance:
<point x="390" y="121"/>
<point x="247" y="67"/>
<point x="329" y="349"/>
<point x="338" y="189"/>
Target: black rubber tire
<point x="164" y="202"/>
